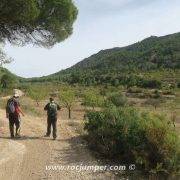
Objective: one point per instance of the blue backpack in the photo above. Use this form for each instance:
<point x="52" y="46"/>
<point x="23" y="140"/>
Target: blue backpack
<point x="11" y="106"/>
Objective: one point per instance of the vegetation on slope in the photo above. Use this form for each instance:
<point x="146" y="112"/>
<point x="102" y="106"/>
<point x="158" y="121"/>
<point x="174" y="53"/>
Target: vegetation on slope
<point x="143" y="64"/>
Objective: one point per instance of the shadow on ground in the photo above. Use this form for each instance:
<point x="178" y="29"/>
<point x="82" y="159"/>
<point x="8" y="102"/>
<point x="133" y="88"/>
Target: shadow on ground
<point x="23" y="138"/>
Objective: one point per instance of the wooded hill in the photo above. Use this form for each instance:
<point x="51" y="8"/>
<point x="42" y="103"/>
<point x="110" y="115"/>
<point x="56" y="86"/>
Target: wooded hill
<point x="139" y="64"/>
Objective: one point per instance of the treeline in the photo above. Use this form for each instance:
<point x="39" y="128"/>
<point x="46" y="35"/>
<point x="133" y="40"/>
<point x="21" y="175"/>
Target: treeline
<point x="119" y="79"/>
<point x="115" y="80"/>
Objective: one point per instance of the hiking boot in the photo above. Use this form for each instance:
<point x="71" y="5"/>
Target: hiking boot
<point x="54" y="138"/>
<point x="46" y="135"/>
<point x="18" y="135"/>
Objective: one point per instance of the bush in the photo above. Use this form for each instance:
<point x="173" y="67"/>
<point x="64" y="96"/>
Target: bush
<point x="117" y="99"/>
<point x="68" y="98"/>
<point x="178" y="84"/>
<point x="157" y="94"/>
<point x="153" y="84"/>
<point x="135" y="90"/>
<point x="133" y="137"/>
<point x="105" y="90"/>
<point x="92" y="99"/>
<point x="8" y="81"/>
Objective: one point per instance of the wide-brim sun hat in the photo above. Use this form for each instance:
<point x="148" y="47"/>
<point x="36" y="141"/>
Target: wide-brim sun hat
<point x="16" y="95"/>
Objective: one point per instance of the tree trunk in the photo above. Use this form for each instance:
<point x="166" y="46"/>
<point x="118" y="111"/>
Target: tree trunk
<point x="69" y="113"/>
<point x="37" y="103"/>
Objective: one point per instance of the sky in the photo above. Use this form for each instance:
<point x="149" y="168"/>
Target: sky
<point x="101" y="24"/>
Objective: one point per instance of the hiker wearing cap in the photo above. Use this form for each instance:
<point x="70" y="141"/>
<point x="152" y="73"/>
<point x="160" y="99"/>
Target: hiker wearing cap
<point x="13" y="112"/>
<point x="52" y="107"/>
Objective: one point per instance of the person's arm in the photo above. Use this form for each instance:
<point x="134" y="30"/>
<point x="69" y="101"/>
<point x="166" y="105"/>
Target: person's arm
<point x="18" y="106"/>
<point x="46" y="107"/>
<point x="58" y="107"/>
<point x="20" y="110"/>
<point x="7" y="115"/>
<point x="7" y="110"/>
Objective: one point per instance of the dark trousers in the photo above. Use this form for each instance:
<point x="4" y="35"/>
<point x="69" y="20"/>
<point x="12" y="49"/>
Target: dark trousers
<point x="52" y="122"/>
<point x="14" y="120"/>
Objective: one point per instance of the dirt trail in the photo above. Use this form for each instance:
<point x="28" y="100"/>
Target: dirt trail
<point x="27" y="157"/>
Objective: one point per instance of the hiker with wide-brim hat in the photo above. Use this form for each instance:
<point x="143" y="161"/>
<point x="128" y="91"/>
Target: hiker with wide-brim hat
<point x="13" y="112"/>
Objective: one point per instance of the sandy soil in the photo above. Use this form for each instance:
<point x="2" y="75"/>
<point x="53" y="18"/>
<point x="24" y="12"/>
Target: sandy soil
<point x="26" y="158"/>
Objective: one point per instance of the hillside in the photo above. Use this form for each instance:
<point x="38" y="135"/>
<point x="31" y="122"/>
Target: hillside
<point x="150" y="55"/>
<point x="5" y="71"/>
<point x="8" y="80"/>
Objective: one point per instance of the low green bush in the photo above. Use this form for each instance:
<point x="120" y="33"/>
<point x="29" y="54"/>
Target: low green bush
<point x="150" y="83"/>
<point x="92" y="99"/>
<point x="134" y="90"/>
<point x="157" y="94"/>
<point x="133" y="137"/>
<point x="178" y="85"/>
<point x="117" y="99"/>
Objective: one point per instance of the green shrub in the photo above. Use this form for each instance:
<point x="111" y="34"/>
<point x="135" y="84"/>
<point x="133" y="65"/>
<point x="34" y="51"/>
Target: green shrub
<point x="134" y="90"/>
<point x="105" y="90"/>
<point x="68" y="98"/>
<point x="151" y="83"/>
<point x="92" y="99"/>
<point x="133" y="137"/>
<point x="178" y="84"/>
<point x="117" y="99"/>
<point x="8" y="81"/>
<point x="157" y="94"/>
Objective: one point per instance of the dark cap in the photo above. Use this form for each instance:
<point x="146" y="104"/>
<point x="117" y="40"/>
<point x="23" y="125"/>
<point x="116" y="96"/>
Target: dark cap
<point x="51" y="99"/>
